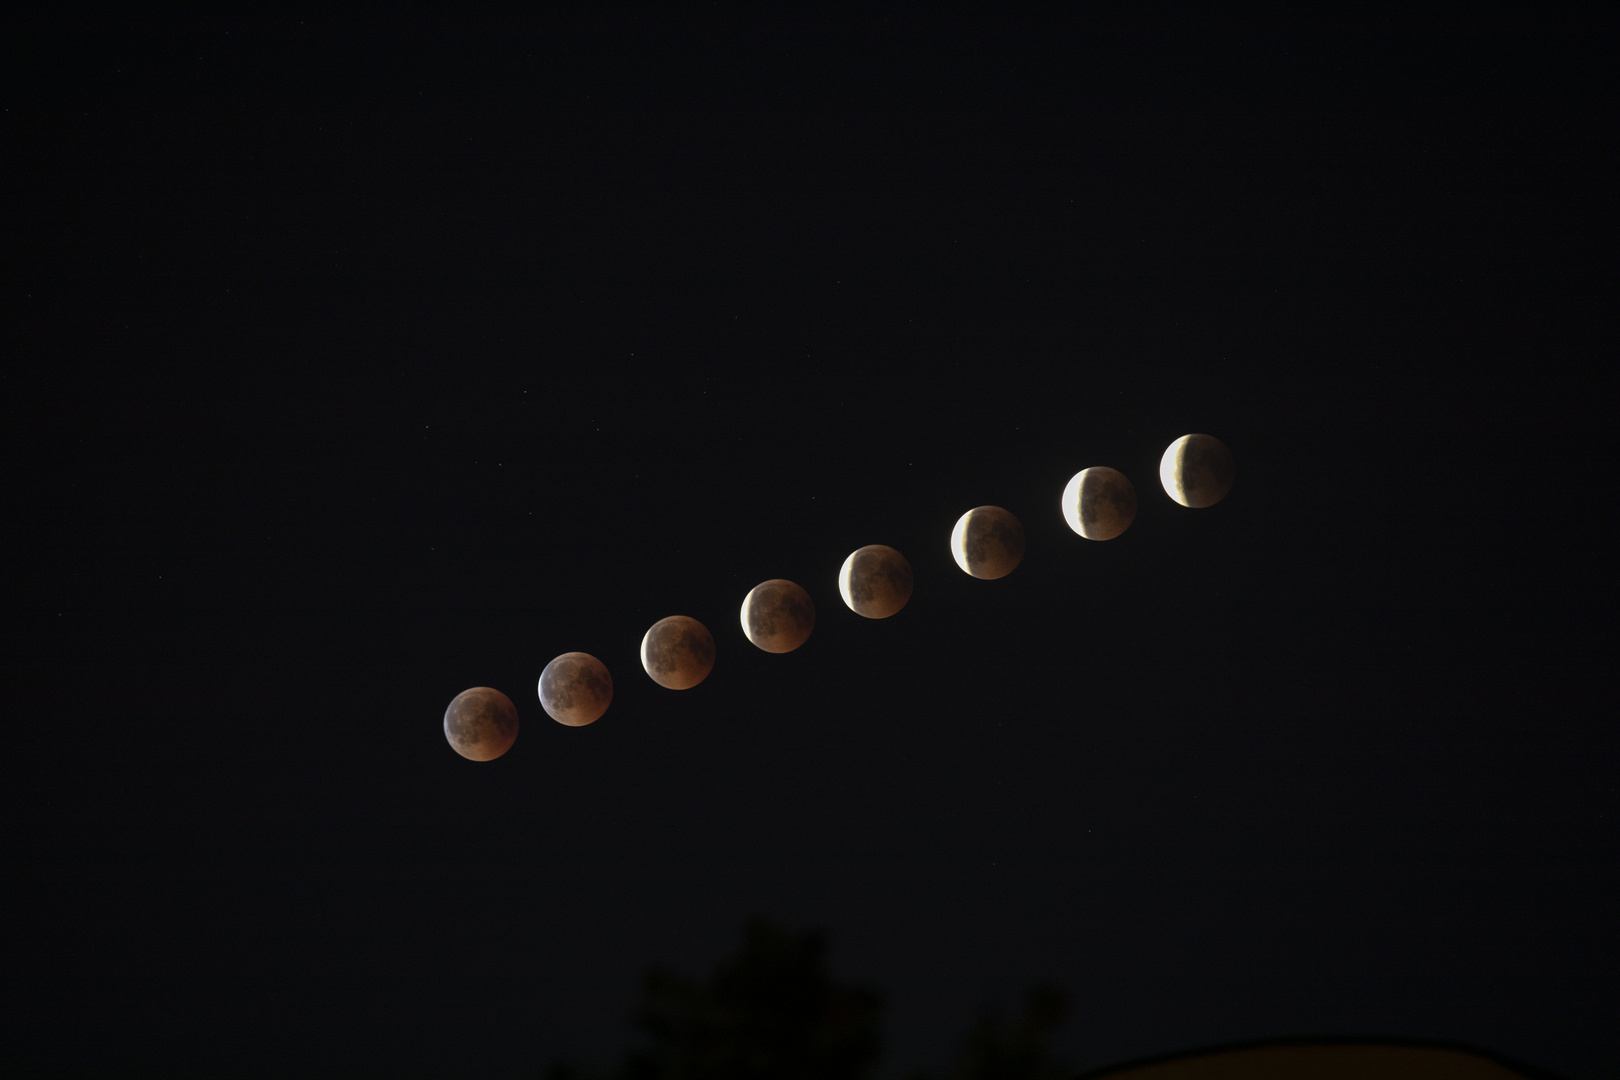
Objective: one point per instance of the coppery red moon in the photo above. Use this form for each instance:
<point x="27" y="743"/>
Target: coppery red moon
<point x="481" y="724"/>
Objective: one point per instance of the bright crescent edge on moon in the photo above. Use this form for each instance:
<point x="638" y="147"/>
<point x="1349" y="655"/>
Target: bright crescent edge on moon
<point x="959" y="542"/>
<point x="1070" y="504"/>
<point x="1170" y="466"/>
<point x="843" y="579"/>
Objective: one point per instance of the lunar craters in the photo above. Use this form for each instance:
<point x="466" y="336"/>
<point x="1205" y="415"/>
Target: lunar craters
<point x="988" y="542"/>
<point x="678" y="652"/>
<point x="875" y="581"/>
<point x="1197" y="470"/>
<point x="777" y="615"/>
<point x="576" y="689"/>
<point x="481" y="724"/>
<point x="1099" y="503"/>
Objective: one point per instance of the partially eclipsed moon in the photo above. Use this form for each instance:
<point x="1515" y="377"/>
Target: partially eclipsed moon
<point x="576" y="689"/>
<point x="875" y="581"/>
<point x="777" y="615"/>
<point x="678" y="652"/>
<point x="1197" y="470"/>
<point x="1099" y="503"/>
<point x="481" y="724"/>
<point x="988" y="542"/>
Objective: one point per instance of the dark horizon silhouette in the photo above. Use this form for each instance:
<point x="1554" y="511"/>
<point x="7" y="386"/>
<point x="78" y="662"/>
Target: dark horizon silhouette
<point x="772" y="1010"/>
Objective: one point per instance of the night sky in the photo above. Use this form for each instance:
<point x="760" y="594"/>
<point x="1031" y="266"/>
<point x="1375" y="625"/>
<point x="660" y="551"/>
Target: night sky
<point x="353" y="361"/>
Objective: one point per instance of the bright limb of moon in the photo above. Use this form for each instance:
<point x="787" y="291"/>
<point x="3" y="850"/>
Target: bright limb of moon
<point x="987" y="542"/>
<point x="1197" y="470"/>
<point x="1070" y="502"/>
<point x="1099" y="503"/>
<point x="1167" y="469"/>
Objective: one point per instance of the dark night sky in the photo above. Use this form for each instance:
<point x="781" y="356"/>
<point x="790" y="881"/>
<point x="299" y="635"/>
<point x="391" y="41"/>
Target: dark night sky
<point x="354" y="361"/>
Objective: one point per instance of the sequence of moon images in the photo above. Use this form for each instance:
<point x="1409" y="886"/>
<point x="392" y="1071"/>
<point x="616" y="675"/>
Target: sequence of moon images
<point x="1099" y="503"/>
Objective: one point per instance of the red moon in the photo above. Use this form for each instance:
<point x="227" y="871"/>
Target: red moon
<point x="576" y="689"/>
<point x="481" y="724"/>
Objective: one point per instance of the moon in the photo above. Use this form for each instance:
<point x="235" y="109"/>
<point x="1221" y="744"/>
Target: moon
<point x="678" y="652"/>
<point x="1099" y="503"/>
<point x="875" y="581"/>
<point x="1197" y="470"/>
<point x="481" y="724"/>
<point x="988" y="542"/>
<point x="576" y="689"/>
<point x="777" y="615"/>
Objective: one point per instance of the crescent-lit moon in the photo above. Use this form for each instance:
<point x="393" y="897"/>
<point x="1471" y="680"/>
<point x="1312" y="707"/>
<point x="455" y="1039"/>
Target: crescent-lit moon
<point x="576" y="689"/>
<point x="988" y="542"/>
<point x="678" y="652"/>
<point x="778" y="616"/>
<point x="875" y="581"/>
<point x="1197" y="470"/>
<point x="1099" y="503"/>
<point x="481" y="724"/>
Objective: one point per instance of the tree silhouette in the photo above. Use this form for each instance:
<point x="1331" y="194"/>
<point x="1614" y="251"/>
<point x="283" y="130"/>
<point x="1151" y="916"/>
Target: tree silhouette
<point x="999" y="1049"/>
<point x="771" y="1011"/>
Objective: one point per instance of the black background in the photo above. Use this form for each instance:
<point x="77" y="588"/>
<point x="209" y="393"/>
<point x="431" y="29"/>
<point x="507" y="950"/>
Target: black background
<point x="357" y="359"/>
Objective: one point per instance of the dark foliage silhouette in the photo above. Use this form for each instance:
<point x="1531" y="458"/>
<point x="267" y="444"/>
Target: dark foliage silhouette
<point x="1001" y="1049"/>
<point x="770" y="1012"/>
